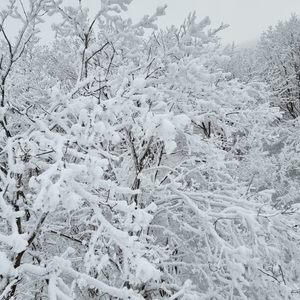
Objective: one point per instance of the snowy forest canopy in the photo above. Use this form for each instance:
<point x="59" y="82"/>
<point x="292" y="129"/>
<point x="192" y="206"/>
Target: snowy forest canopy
<point x="147" y="167"/>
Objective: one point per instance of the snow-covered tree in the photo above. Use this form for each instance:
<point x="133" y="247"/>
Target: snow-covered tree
<point x="243" y="64"/>
<point x="134" y="167"/>
<point x="279" y="60"/>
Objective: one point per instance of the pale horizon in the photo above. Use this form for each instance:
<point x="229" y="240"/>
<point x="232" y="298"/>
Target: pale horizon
<point x="247" y="20"/>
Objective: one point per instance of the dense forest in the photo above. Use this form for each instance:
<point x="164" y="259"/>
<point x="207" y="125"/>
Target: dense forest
<point x="146" y="166"/>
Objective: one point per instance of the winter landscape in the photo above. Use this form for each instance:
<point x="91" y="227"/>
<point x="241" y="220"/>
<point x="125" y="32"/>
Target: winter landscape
<point x="146" y="166"/>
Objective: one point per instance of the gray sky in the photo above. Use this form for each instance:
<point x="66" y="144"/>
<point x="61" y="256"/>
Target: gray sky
<point x="247" y="18"/>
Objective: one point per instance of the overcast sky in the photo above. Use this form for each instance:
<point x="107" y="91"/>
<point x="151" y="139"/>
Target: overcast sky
<point x="247" y="18"/>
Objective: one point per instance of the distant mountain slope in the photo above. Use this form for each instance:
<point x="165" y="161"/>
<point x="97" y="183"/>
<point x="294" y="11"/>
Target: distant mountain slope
<point x="251" y="43"/>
